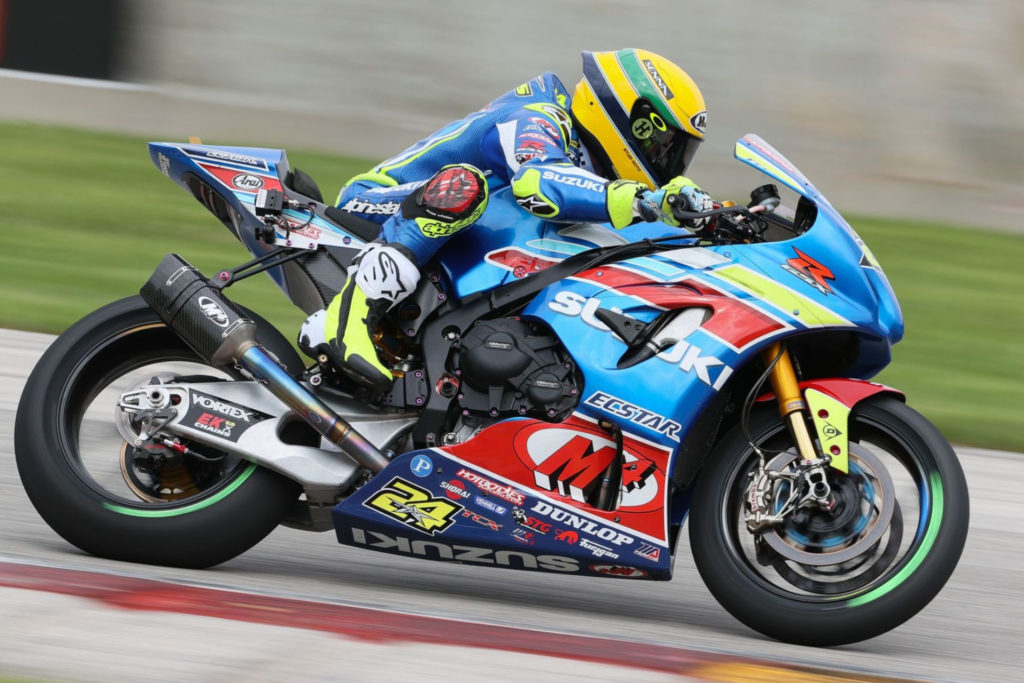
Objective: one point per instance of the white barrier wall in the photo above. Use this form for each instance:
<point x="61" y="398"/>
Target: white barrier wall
<point x="912" y="107"/>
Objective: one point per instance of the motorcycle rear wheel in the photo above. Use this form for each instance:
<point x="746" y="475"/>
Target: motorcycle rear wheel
<point x="94" y="493"/>
<point x="829" y="579"/>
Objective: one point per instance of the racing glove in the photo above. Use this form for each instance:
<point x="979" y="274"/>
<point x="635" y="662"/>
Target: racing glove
<point x="689" y="197"/>
<point x="630" y="201"/>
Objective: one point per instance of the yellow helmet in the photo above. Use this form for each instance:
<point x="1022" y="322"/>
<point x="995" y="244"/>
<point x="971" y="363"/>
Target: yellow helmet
<point x="644" y="113"/>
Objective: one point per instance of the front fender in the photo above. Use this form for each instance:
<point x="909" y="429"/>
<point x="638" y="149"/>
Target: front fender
<point x="829" y="401"/>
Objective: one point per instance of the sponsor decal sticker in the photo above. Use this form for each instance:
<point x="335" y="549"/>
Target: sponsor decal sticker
<point x="648" y="552"/>
<point x="247" y="181"/>
<point x="481" y="520"/>
<point x="436" y="550"/>
<point x="567" y="536"/>
<point x="490" y="505"/>
<point x="618" y="570"/>
<point x="523" y="536"/>
<point x="522" y="158"/>
<point x="810" y="271"/>
<point x="536" y="206"/>
<point x="659" y="82"/>
<point x="165" y="164"/>
<point x="642" y="129"/>
<point x="571" y="519"/>
<point x="221" y="418"/>
<point x="699" y="121"/>
<point x="523" y="90"/>
<point x="521" y="518"/>
<point x="687" y="356"/>
<point x="546" y="126"/>
<point x="213" y="312"/>
<point x="503" y="491"/>
<point x="598" y="550"/>
<point x="577" y="181"/>
<point x="413" y="506"/>
<point x="224" y="408"/>
<point x="536" y="136"/>
<point x="220" y="155"/>
<point x="635" y="414"/>
<point x="421" y="465"/>
<point x="221" y="426"/>
<point x="454" y="489"/>
<point x="361" y="206"/>
<point x="572" y="462"/>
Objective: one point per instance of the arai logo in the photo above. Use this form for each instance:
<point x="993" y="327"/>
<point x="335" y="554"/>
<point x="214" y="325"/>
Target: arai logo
<point x="247" y="181"/>
<point x="213" y="311"/>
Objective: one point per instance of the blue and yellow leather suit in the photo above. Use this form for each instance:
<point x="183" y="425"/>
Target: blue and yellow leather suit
<point x="524" y="138"/>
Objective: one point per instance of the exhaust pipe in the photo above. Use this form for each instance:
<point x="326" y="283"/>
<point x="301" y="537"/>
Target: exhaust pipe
<point x="217" y="330"/>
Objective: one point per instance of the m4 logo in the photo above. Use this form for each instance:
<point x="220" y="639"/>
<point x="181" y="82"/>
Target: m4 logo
<point x="413" y="506"/>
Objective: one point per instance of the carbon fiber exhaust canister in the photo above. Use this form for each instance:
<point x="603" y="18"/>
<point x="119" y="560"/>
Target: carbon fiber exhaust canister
<point x="217" y="330"/>
<point x="204" y="318"/>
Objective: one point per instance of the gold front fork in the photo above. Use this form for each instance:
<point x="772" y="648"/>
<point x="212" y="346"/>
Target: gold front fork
<point x="792" y="407"/>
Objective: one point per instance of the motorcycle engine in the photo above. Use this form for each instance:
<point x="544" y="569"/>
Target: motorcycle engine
<point x="513" y="367"/>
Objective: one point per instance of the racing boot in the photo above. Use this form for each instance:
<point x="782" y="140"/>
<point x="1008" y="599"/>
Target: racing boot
<point x="384" y="275"/>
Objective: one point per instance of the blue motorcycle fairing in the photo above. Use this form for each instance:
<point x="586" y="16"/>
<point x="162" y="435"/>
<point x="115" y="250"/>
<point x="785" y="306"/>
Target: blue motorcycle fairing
<point x="426" y="504"/>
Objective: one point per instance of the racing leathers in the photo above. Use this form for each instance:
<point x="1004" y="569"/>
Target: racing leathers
<point x="524" y="139"/>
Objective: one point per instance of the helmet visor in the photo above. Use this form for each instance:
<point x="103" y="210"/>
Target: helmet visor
<point x="667" y="150"/>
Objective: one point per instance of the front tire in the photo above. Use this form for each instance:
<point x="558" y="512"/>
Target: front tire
<point x="900" y="566"/>
<point x="202" y="514"/>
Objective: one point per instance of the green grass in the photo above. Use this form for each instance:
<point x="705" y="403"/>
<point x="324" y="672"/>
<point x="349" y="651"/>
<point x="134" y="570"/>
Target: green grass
<point x="961" y="362"/>
<point x="85" y="218"/>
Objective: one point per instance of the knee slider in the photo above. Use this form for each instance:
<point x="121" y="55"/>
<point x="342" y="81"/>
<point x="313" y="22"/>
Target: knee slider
<point x="453" y="198"/>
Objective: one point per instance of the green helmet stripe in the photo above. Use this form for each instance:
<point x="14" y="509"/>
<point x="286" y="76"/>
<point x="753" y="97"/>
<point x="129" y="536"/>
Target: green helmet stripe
<point x="642" y="83"/>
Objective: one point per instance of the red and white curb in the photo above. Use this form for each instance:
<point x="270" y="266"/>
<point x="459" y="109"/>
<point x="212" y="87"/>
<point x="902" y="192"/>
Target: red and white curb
<point x="384" y="627"/>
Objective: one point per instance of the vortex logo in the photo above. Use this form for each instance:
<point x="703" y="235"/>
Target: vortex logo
<point x="213" y="311"/>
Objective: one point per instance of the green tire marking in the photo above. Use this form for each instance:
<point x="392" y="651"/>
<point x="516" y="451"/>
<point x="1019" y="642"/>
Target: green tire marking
<point x="922" y="552"/>
<point x="135" y="512"/>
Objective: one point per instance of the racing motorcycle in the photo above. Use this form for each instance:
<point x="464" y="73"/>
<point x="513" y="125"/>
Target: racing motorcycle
<point x="566" y="397"/>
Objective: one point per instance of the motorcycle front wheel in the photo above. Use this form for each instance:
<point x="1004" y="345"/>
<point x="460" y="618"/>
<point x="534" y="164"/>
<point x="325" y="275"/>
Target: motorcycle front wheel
<point x="847" y="574"/>
<point x="153" y="505"/>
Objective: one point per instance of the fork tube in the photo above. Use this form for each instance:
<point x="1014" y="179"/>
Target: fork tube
<point x="791" y="403"/>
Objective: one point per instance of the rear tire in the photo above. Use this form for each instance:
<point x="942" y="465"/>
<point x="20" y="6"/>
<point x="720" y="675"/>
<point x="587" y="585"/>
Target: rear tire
<point x="822" y="604"/>
<point x="233" y="509"/>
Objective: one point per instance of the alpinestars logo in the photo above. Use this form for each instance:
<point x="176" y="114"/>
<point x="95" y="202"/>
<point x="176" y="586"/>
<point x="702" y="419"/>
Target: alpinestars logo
<point x="537" y="206"/>
<point x="387" y="276"/>
<point x="360" y="206"/>
<point x="810" y="271"/>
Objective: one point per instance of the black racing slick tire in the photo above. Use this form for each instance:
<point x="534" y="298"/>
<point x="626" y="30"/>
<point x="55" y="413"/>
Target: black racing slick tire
<point x="224" y="509"/>
<point x="831" y="577"/>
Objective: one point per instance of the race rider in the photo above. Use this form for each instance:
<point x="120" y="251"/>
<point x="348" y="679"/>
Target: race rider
<point x="613" y="152"/>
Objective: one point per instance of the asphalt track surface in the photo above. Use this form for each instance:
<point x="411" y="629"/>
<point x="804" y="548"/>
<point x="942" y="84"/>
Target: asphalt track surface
<point x="971" y="632"/>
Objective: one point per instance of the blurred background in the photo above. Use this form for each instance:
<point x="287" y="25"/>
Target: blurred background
<point x="908" y="115"/>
